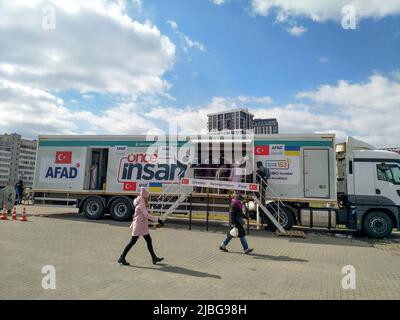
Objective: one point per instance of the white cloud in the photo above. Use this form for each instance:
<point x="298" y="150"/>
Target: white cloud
<point x="323" y="59"/>
<point x="138" y="5"/>
<point x="95" y="46"/>
<point x="368" y="110"/>
<point x="32" y="111"/>
<point x="173" y="24"/>
<point x="296" y="30"/>
<point x="187" y="43"/>
<point x="88" y="96"/>
<point x="371" y="109"/>
<point x="318" y="10"/>
<point x="257" y="100"/>
<point x="217" y="2"/>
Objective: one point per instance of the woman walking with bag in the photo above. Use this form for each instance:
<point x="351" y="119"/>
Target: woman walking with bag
<point x="140" y="227"/>
<point x="236" y="221"/>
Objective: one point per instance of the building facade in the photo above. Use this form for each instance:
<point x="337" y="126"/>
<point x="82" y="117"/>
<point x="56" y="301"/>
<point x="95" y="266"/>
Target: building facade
<point x="240" y="119"/>
<point x="237" y="119"/>
<point x="17" y="160"/>
<point x="266" y="126"/>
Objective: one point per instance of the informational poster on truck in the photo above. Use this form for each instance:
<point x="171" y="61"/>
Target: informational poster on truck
<point x="152" y="168"/>
<point x="62" y="167"/>
<point x="282" y="161"/>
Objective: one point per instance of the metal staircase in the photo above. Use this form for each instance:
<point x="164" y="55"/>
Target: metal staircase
<point x="170" y="199"/>
<point x="173" y="196"/>
<point x="261" y="199"/>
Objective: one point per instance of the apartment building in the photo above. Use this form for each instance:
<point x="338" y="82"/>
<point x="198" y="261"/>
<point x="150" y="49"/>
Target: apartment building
<point x="266" y="126"/>
<point x="17" y="160"/>
<point x="237" y="119"/>
<point x="241" y="119"/>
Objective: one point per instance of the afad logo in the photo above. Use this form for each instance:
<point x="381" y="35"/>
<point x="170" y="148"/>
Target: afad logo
<point x="277" y="149"/>
<point x="63" y="168"/>
<point x="145" y="167"/>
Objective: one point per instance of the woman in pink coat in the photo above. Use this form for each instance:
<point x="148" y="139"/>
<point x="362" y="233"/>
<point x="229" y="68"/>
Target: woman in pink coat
<point x="140" y="227"/>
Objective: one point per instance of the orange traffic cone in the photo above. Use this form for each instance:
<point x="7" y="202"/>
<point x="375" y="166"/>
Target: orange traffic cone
<point x="4" y="215"/>
<point x="14" y="214"/>
<point x="23" y="218"/>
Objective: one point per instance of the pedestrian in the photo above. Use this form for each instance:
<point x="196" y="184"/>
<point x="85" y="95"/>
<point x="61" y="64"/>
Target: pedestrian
<point x="239" y="170"/>
<point x="236" y="173"/>
<point x="236" y="216"/>
<point x="19" y="191"/>
<point x="263" y="174"/>
<point x="140" y="227"/>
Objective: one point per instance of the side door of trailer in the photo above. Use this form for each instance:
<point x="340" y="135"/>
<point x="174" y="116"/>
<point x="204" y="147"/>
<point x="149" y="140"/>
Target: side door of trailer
<point x="316" y="173"/>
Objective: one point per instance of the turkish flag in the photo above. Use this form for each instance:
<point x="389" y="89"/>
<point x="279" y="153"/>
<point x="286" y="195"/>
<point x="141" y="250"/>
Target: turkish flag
<point x="64" y="157"/>
<point x="185" y="181"/>
<point x="129" y="186"/>
<point x="253" y="187"/>
<point x="261" y="151"/>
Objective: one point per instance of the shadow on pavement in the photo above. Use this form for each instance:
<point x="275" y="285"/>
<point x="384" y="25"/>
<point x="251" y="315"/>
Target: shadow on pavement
<point x="313" y="237"/>
<point x="275" y="258"/>
<point x="180" y="270"/>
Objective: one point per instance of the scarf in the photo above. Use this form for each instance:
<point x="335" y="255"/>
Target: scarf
<point x="237" y="203"/>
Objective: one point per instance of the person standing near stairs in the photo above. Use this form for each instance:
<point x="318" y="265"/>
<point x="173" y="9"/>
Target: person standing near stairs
<point x="236" y="216"/>
<point x="140" y="227"/>
<point x="263" y="174"/>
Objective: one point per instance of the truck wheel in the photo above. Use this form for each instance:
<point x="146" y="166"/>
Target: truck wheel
<point x="121" y="209"/>
<point x="286" y="217"/>
<point x="377" y="224"/>
<point x="93" y="208"/>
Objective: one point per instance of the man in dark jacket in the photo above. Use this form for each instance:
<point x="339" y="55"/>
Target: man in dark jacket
<point x="263" y="174"/>
<point x="236" y="216"/>
<point x="19" y="191"/>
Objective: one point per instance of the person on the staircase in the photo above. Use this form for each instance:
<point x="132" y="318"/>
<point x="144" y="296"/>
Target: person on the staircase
<point x="236" y="216"/>
<point x="140" y="227"/>
<point x="263" y="174"/>
<point x="238" y="170"/>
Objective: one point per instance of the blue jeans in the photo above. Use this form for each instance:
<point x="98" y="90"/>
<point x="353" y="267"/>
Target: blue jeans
<point x="243" y="241"/>
<point x="18" y="196"/>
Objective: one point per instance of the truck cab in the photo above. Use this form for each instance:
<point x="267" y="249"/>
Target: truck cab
<point x="368" y="188"/>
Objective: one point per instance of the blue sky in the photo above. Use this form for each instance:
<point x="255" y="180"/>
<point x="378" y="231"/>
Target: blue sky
<point x="252" y="55"/>
<point x="128" y="67"/>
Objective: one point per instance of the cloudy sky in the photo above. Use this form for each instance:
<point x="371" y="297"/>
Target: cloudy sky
<point x="131" y="67"/>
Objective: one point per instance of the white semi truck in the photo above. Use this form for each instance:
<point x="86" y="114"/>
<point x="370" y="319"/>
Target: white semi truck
<point x="313" y="182"/>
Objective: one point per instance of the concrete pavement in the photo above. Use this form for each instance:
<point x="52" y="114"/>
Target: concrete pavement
<point x="84" y="255"/>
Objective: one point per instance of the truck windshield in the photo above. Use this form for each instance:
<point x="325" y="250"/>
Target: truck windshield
<point x="388" y="172"/>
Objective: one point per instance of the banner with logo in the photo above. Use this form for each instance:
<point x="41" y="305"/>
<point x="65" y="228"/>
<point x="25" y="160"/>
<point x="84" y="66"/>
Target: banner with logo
<point x="228" y="185"/>
<point x="61" y="169"/>
<point x="283" y="162"/>
<point x="131" y="168"/>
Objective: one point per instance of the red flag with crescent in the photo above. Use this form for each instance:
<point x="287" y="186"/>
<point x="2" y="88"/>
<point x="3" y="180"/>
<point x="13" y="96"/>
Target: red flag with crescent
<point x="64" y="157"/>
<point x="261" y="150"/>
<point x="129" y="186"/>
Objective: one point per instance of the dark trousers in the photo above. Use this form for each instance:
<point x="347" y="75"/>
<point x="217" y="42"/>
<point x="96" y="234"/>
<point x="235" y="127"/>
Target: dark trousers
<point x="132" y="243"/>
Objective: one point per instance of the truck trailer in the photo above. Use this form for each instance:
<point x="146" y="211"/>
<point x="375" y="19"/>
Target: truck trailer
<point x="313" y="182"/>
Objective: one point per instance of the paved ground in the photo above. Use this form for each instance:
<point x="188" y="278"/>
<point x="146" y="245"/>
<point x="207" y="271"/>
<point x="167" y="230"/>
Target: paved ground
<point x="84" y="254"/>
